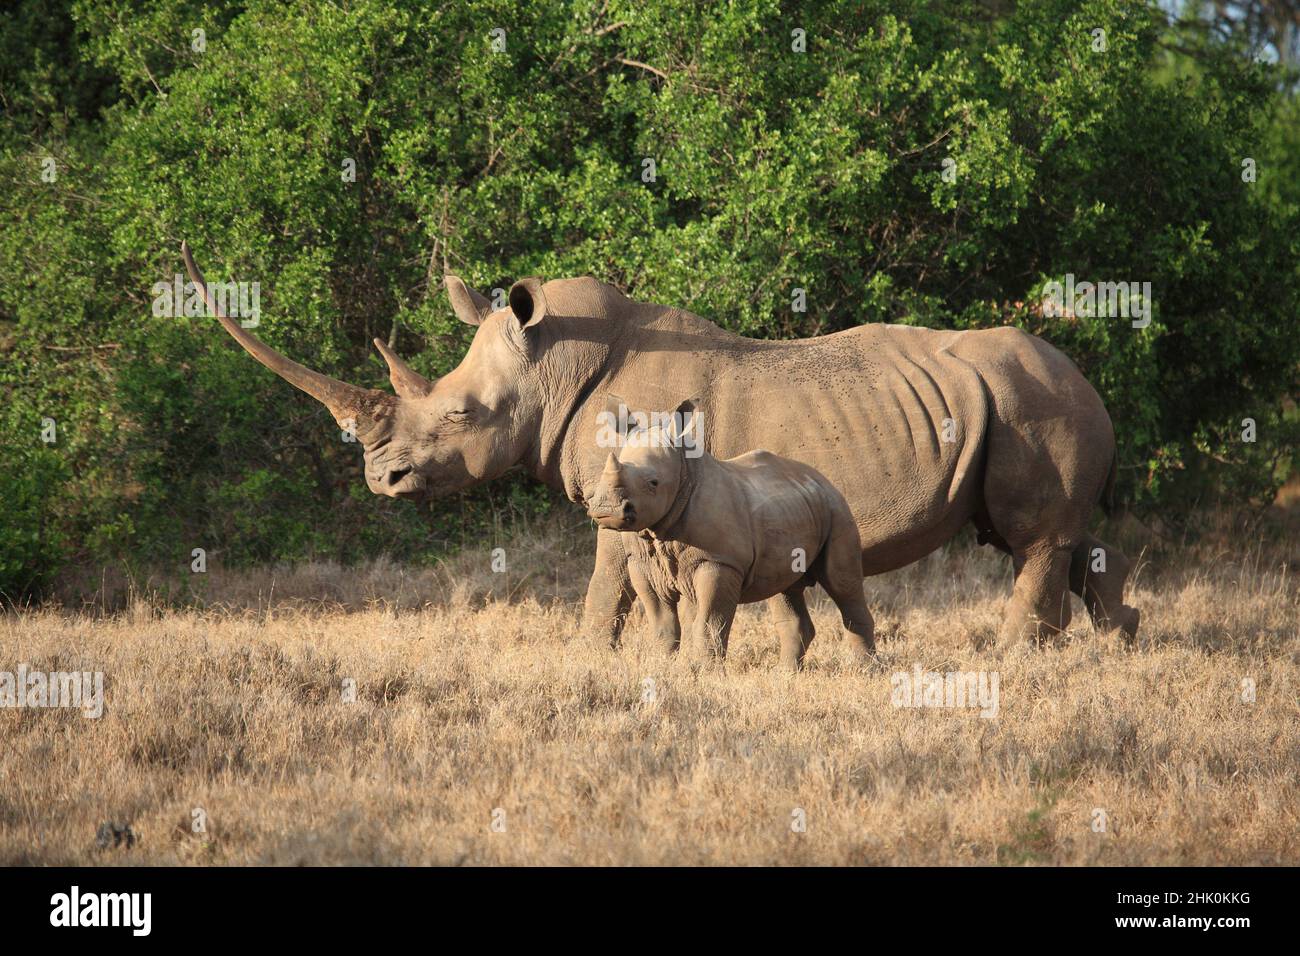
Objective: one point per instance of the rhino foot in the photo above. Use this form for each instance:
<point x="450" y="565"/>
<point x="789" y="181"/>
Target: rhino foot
<point x="1127" y="620"/>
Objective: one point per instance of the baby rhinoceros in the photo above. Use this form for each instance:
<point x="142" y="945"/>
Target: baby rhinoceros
<point x="712" y="534"/>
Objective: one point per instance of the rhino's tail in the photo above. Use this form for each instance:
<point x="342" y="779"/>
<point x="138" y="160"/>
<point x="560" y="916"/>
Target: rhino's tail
<point x="1108" y="493"/>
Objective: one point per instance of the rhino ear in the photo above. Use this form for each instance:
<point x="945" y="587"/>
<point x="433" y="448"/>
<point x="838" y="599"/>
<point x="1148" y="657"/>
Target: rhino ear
<point x="687" y="421"/>
<point x="613" y="405"/>
<point x="528" y="301"/>
<point x="470" y="307"/>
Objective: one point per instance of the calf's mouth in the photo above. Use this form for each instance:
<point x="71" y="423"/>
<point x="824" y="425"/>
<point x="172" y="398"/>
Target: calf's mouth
<point x="620" y="516"/>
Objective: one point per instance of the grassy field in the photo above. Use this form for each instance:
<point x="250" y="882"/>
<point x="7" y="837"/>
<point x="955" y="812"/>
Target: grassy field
<point x="485" y="731"/>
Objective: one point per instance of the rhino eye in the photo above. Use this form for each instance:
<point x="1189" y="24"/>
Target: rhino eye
<point x="653" y="482"/>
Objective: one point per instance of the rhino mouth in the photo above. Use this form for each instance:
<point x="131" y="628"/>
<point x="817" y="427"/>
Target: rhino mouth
<point x="619" y="518"/>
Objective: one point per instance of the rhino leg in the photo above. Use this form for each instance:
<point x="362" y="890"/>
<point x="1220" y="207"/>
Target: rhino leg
<point x="859" y="627"/>
<point x="1040" y="600"/>
<point x="686" y="621"/>
<point x="661" y="613"/>
<point x="663" y="618"/>
<point x="1098" y="573"/>
<point x="841" y="575"/>
<point x="609" y="593"/>
<point x="793" y="624"/>
<point x="717" y="592"/>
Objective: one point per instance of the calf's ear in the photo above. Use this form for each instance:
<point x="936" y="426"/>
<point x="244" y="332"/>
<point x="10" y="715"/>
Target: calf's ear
<point x="688" y="422"/>
<point x="621" y="425"/>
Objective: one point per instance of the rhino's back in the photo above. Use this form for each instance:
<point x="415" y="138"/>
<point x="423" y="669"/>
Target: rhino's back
<point x="887" y="413"/>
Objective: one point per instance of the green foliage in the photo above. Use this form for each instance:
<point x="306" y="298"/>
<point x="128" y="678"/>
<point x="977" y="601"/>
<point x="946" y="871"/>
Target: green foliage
<point x="775" y="171"/>
<point x="33" y="550"/>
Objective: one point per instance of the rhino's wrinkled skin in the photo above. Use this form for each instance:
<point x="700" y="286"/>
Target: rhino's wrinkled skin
<point x="921" y="430"/>
<point x="721" y="533"/>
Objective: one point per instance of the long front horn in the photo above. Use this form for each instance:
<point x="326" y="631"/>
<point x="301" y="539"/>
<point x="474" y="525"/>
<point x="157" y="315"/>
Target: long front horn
<point x="343" y="400"/>
<point x="407" y="382"/>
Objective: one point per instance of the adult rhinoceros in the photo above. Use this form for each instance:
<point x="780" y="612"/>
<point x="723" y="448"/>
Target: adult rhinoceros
<point x="922" y="430"/>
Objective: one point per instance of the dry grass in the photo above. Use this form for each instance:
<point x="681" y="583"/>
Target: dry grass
<point x="474" y="693"/>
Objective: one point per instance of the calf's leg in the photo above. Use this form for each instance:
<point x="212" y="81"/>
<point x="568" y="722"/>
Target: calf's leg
<point x="661" y="613"/>
<point x="793" y="624"/>
<point x="717" y="591"/>
<point x="686" y="621"/>
<point x="841" y="576"/>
